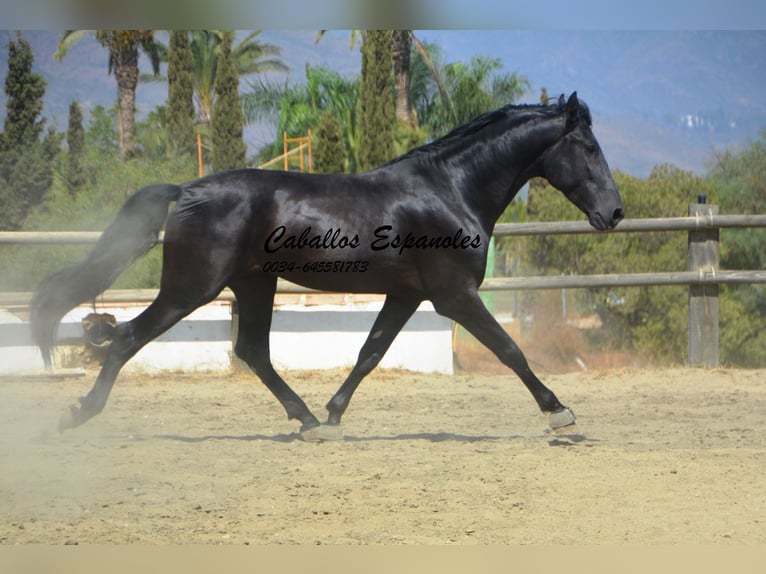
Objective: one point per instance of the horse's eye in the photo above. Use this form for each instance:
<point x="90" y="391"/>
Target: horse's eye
<point x="591" y="149"/>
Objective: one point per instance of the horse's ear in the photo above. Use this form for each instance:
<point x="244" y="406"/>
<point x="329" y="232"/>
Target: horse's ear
<point x="562" y="101"/>
<point x="573" y="110"/>
<point x="573" y="104"/>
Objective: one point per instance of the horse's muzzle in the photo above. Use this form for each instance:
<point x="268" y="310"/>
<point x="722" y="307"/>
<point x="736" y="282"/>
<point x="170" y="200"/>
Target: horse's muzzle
<point x="602" y="223"/>
<point x="617" y="215"/>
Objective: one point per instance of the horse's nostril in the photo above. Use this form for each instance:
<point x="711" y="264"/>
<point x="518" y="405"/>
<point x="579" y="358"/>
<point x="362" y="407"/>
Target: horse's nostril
<point x="618" y="215"/>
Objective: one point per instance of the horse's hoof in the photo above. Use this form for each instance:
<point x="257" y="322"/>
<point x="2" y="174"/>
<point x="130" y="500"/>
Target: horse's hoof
<point x="330" y="432"/>
<point x="67" y="420"/>
<point x="562" y="421"/>
<point x="322" y="433"/>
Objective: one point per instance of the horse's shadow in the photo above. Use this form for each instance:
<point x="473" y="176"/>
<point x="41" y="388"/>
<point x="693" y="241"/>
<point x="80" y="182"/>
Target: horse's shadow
<point x="558" y="440"/>
<point x="296" y="437"/>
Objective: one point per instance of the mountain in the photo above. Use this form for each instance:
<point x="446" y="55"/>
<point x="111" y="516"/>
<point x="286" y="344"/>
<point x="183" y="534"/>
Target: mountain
<point x="656" y="97"/>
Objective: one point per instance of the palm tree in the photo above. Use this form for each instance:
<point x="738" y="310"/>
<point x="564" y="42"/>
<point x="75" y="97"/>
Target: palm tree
<point x="123" y="46"/>
<point x="297" y="108"/>
<point x="402" y="42"/>
<point x="470" y="89"/>
<point x="250" y="56"/>
<point x="477" y="87"/>
<point x="401" y="47"/>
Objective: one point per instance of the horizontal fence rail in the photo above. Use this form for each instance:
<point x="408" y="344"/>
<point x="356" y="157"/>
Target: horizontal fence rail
<point x="702" y="275"/>
<point x="623" y="280"/>
<point x="500" y="230"/>
<point x="49" y="237"/>
<point x="707" y="221"/>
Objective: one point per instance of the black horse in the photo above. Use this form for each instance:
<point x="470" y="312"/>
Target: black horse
<point x="414" y="229"/>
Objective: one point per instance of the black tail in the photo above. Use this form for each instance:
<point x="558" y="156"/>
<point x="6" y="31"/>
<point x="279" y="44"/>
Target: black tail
<point x="132" y="234"/>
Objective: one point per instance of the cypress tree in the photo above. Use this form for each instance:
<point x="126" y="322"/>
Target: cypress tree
<point x="75" y="139"/>
<point x="376" y="105"/>
<point x="180" y="93"/>
<point x="25" y="91"/>
<point x="228" y="118"/>
<point x="25" y="160"/>
<point x="330" y="151"/>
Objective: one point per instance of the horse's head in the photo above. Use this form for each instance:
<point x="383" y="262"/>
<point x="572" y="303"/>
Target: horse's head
<point x="576" y="166"/>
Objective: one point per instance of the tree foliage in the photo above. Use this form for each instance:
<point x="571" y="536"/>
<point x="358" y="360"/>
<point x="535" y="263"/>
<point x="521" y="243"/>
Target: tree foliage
<point x="26" y="157"/>
<point x="249" y="56"/>
<point x="153" y="137"/>
<point x="180" y="109"/>
<point x="329" y="148"/>
<point x="229" y="149"/>
<point x="25" y="90"/>
<point x="110" y="181"/>
<point x="101" y="134"/>
<point x="448" y="95"/>
<point x="739" y="176"/>
<point x="403" y="44"/>
<point x="75" y="139"/>
<point x="376" y="105"/>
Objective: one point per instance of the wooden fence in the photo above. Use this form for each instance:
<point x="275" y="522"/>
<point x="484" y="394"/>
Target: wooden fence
<point x="702" y="274"/>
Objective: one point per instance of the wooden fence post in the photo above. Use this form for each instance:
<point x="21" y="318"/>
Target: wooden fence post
<point x="703" y="256"/>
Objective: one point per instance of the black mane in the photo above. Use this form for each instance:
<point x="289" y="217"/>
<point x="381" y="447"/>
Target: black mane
<point x="520" y="113"/>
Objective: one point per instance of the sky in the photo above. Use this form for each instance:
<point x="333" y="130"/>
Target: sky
<point x="421" y="14"/>
<point x="598" y="14"/>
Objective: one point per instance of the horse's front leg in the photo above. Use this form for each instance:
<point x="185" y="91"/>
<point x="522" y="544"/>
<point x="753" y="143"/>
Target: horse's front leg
<point x="392" y="317"/>
<point x="468" y="310"/>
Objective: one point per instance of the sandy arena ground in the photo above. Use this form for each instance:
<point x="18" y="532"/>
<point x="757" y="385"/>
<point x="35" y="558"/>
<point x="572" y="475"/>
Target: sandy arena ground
<point x="662" y="456"/>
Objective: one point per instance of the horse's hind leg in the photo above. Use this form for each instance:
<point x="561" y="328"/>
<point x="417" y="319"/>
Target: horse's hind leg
<point x="166" y="310"/>
<point x="392" y="317"/>
<point x="255" y="297"/>
<point x="193" y="273"/>
<point x="469" y="311"/>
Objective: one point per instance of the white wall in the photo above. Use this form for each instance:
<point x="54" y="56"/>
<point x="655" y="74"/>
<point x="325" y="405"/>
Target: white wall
<point x="302" y="337"/>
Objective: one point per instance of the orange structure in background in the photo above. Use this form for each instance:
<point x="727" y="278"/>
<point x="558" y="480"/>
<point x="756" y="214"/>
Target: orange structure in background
<point x="201" y="168"/>
<point x="304" y="143"/>
<point x="302" y="149"/>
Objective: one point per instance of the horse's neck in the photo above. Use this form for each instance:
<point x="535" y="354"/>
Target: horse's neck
<point x="492" y="172"/>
